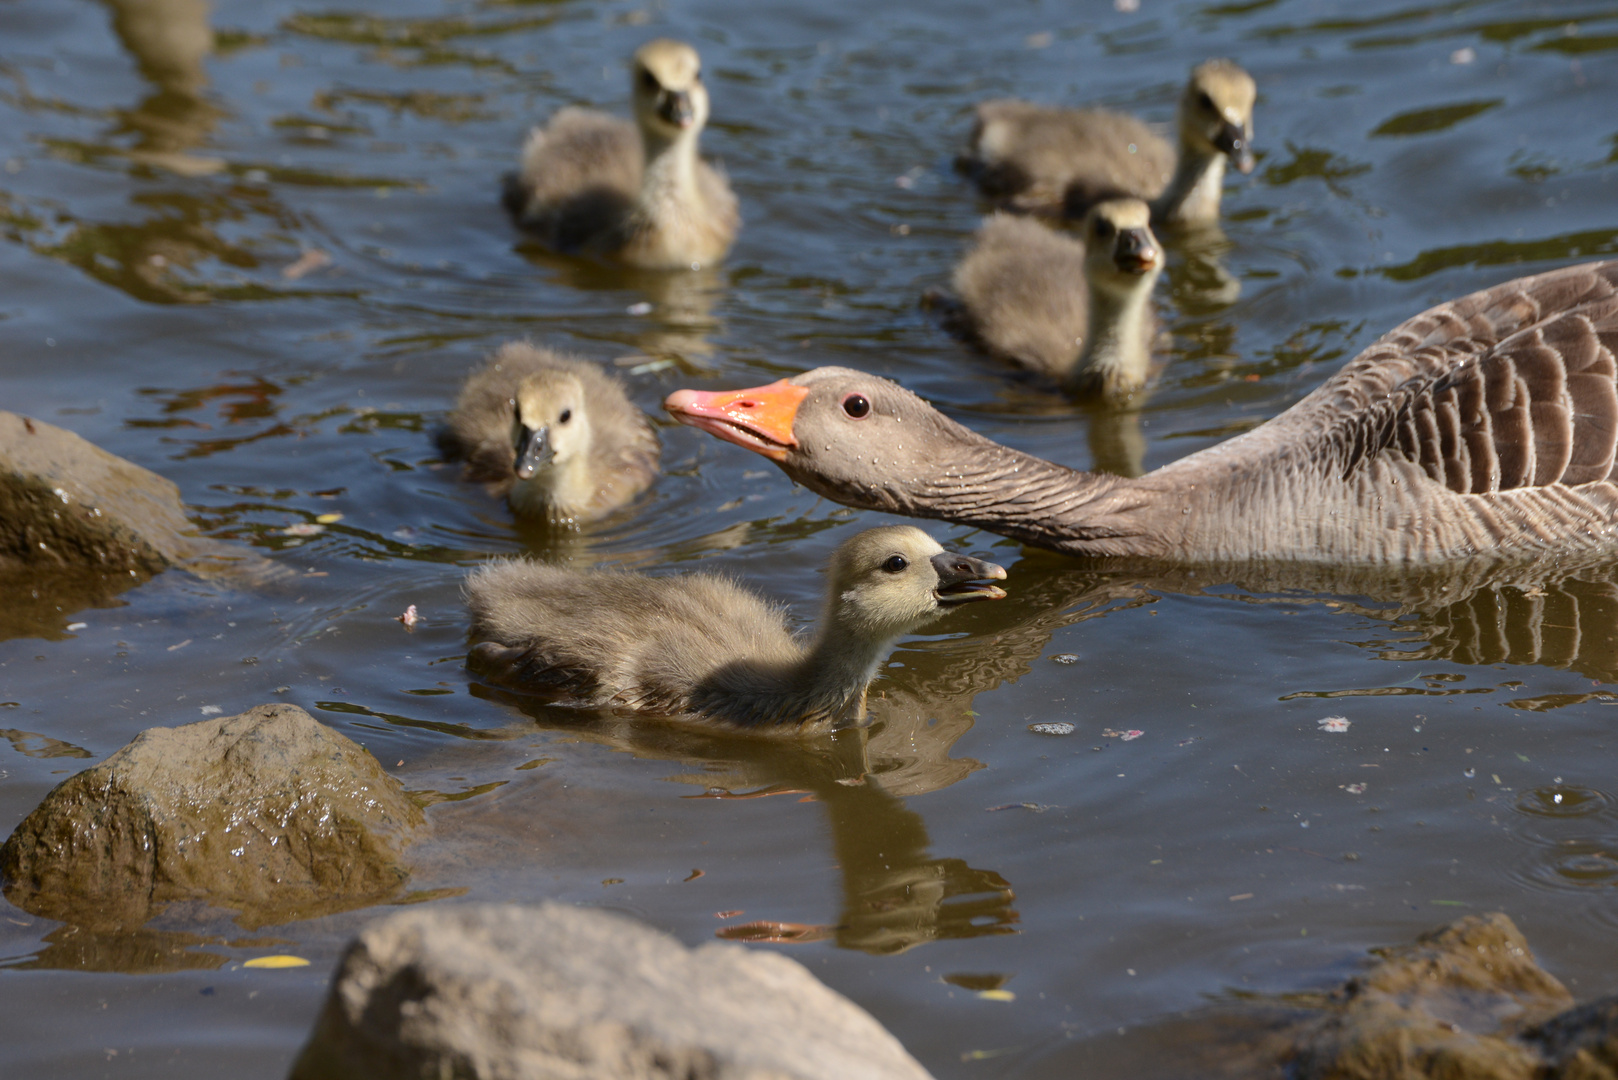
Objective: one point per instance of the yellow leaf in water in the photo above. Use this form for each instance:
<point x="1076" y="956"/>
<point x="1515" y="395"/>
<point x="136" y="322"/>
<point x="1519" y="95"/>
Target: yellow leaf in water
<point x="997" y="995"/>
<point x="282" y="961"/>
<point x="329" y="519"/>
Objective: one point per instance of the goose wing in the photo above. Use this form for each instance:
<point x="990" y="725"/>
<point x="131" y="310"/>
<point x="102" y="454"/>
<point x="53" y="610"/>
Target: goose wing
<point x="1511" y="387"/>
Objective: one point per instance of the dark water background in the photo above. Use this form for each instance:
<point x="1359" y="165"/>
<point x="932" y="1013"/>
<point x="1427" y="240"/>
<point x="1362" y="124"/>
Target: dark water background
<point x="162" y="162"/>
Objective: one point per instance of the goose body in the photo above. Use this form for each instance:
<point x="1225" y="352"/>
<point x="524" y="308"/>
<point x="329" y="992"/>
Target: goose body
<point x="1046" y="160"/>
<point x="634" y="191"/>
<point x="703" y="647"/>
<point x="1078" y="312"/>
<point x="553" y="433"/>
<point x="1486" y="426"/>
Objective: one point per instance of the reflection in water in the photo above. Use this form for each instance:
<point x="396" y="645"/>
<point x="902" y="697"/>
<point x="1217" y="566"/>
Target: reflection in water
<point x="672" y="324"/>
<point x="169" y="40"/>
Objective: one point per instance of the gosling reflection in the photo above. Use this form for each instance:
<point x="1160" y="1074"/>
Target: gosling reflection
<point x="170" y="42"/>
<point x="674" y="319"/>
<point x="1199" y="282"/>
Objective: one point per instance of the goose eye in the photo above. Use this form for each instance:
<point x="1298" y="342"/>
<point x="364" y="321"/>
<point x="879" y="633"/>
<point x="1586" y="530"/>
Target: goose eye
<point x="567" y="414"/>
<point x="895" y="564"/>
<point x="1206" y="102"/>
<point x="857" y="406"/>
<point x="649" y="82"/>
<point x="1104" y="227"/>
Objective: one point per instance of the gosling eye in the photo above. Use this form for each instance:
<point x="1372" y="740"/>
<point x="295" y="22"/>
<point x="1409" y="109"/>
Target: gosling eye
<point x="896" y="564"/>
<point x="649" y="83"/>
<point x="858" y="407"/>
<point x="1206" y="101"/>
<point x="1104" y="228"/>
<point x="567" y="414"/>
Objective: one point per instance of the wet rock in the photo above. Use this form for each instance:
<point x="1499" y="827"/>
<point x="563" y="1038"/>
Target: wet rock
<point x="1446" y="1007"/>
<point x="269" y="813"/>
<point x="78" y="525"/>
<point x="1582" y="1043"/>
<point x="483" y="991"/>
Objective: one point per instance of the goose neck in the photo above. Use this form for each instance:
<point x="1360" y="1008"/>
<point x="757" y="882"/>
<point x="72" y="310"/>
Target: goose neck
<point x="1194" y="191"/>
<point x="1117" y="352"/>
<point x="671" y="169"/>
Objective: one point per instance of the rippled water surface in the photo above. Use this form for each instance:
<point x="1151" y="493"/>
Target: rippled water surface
<point x="166" y="166"/>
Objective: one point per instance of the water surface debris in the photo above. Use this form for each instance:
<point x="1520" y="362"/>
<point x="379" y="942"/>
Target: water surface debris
<point x="1057" y="728"/>
<point x="409" y="618"/>
<point x="1337" y="724"/>
<point x="766" y="931"/>
<point x="274" y="962"/>
<point x="311" y="260"/>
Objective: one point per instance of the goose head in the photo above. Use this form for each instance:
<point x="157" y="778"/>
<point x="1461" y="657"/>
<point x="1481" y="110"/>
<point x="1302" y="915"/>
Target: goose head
<point x="669" y="98"/>
<point x="1120" y="252"/>
<point x="886" y="581"/>
<point x="1216" y="112"/>
<point x="848" y="435"/>
<point x="549" y="426"/>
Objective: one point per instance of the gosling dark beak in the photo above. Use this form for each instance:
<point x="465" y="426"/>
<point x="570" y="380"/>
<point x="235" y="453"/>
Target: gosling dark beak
<point x="1235" y="141"/>
<point x="759" y="419"/>
<point x="674" y="106"/>
<point x="1136" y="251"/>
<point x="962" y="578"/>
<point x="533" y="451"/>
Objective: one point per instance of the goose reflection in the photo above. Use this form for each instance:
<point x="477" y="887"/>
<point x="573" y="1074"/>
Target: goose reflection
<point x="170" y="42"/>
<point x="674" y="315"/>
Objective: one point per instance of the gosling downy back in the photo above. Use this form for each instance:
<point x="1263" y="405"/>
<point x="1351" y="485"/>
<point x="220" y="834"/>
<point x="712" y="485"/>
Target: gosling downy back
<point x="702" y="647"/>
<point x="633" y="191"/>
<point x="553" y="433"/>
<point x="1038" y="159"/>
<point x="1078" y="312"/>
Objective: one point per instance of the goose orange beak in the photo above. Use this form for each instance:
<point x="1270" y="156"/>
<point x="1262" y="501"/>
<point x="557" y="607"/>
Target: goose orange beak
<point x="759" y="419"/>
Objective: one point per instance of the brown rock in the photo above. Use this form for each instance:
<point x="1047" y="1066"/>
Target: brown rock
<point x="497" y="990"/>
<point x="78" y="525"/>
<point x="1444" y="1008"/>
<point x="1582" y="1043"/>
<point x="269" y="813"/>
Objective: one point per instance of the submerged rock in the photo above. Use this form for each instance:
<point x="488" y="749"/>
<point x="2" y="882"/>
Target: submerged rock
<point x="79" y="525"/>
<point x="1446" y="1006"/>
<point x="269" y="813"/>
<point x="499" y="990"/>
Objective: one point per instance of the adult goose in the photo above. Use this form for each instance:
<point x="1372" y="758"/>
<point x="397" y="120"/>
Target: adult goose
<point x="637" y="192"/>
<point x="1484" y="426"/>
<point x="553" y="433"/>
<point x="1078" y="312"/>
<point x="1063" y="161"/>
<point x="703" y="647"/>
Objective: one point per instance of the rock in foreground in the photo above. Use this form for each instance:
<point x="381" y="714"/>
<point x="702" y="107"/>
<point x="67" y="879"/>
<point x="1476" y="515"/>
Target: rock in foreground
<point x="269" y="813"/>
<point x="485" y="991"/>
<point x="1446" y="1006"/>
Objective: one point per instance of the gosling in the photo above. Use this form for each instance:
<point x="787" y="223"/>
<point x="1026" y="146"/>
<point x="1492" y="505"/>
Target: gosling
<point x="589" y="183"/>
<point x="1064" y="161"/>
<point x="554" y="434"/>
<point x="1078" y="312"/>
<point x="702" y="647"/>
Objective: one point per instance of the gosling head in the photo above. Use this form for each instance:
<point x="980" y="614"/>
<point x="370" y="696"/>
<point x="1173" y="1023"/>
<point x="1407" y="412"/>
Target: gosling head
<point x="549" y="427"/>
<point x="1120" y="252"/>
<point x="888" y="580"/>
<point x="1216" y="113"/>
<point x="669" y="97"/>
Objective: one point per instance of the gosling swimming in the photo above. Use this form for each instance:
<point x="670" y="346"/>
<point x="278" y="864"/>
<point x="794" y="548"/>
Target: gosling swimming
<point x="700" y="646"/>
<point x="554" y="434"/>
<point x="1064" y="161"/>
<point x="593" y="183"/>
<point x="1078" y="312"/>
